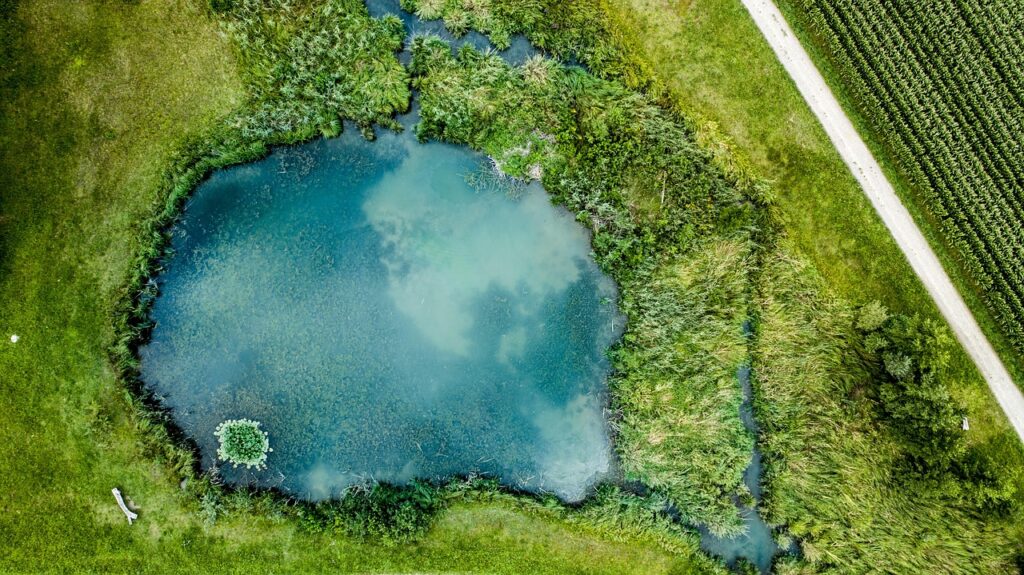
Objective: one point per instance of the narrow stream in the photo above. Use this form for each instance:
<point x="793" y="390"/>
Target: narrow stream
<point x="757" y="544"/>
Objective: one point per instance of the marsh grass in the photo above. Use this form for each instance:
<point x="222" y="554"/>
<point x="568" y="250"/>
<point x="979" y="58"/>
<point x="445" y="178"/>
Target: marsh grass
<point x="832" y="473"/>
<point x="309" y="65"/>
<point x="676" y="388"/>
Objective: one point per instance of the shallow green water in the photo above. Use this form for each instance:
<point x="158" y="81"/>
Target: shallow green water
<point x="388" y="311"/>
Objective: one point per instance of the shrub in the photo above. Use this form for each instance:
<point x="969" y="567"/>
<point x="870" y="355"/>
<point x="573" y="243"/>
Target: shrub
<point x="242" y="442"/>
<point x="988" y="478"/>
<point x="387" y="513"/>
<point x="909" y="359"/>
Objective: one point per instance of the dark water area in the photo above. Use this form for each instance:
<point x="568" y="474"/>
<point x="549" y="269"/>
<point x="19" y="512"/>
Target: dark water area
<point x="756" y="544"/>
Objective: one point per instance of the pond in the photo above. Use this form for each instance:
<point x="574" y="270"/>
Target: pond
<point x="388" y="310"/>
<point x="396" y="310"/>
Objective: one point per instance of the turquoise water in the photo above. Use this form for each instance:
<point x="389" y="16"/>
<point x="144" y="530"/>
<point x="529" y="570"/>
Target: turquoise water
<point x="389" y="311"/>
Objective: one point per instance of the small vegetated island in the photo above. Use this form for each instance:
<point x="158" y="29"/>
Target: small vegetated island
<point x="422" y="250"/>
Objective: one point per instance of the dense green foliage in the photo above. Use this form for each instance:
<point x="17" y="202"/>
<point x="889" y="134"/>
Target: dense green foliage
<point x="242" y="442"/>
<point x="941" y="84"/>
<point x="909" y="357"/>
<point x="866" y="463"/>
<point x="310" y="65"/>
<point x="568" y="31"/>
<point x="666" y="225"/>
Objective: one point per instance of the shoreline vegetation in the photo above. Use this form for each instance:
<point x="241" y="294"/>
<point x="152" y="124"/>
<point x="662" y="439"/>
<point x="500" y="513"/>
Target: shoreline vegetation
<point x="697" y="248"/>
<point x="702" y="495"/>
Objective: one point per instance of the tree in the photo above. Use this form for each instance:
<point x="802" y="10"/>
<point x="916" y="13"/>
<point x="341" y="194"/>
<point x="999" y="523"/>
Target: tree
<point x="911" y="358"/>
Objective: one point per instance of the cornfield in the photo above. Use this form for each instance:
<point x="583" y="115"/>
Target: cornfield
<point x="942" y="84"/>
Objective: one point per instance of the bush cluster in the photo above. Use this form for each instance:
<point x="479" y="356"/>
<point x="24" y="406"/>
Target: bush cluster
<point x="242" y="442"/>
<point x="909" y="360"/>
<point x="383" y="512"/>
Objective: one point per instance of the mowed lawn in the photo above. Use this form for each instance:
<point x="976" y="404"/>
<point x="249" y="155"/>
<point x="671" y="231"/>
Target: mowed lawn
<point x="720" y="72"/>
<point x="94" y="99"/>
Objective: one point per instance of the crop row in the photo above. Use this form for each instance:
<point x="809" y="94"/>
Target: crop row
<point x="942" y="83"/>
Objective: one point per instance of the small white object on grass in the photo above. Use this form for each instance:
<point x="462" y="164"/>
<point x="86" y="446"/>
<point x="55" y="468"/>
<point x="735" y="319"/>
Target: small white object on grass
<point x="14" y="338"/>
<point x="966" y="425"/>
<point x="120" y="503"/>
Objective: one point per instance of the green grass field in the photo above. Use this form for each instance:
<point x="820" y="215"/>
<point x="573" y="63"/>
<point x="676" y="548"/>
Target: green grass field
<point x="95" y="99"/>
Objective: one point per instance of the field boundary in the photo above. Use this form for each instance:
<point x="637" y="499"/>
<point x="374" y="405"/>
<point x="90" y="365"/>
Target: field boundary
<point x="859" y="159"/>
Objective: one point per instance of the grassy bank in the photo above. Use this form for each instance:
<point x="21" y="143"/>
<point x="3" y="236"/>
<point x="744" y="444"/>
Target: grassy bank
<point x="914" y="199"/>
<point x="97" y="100"/>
